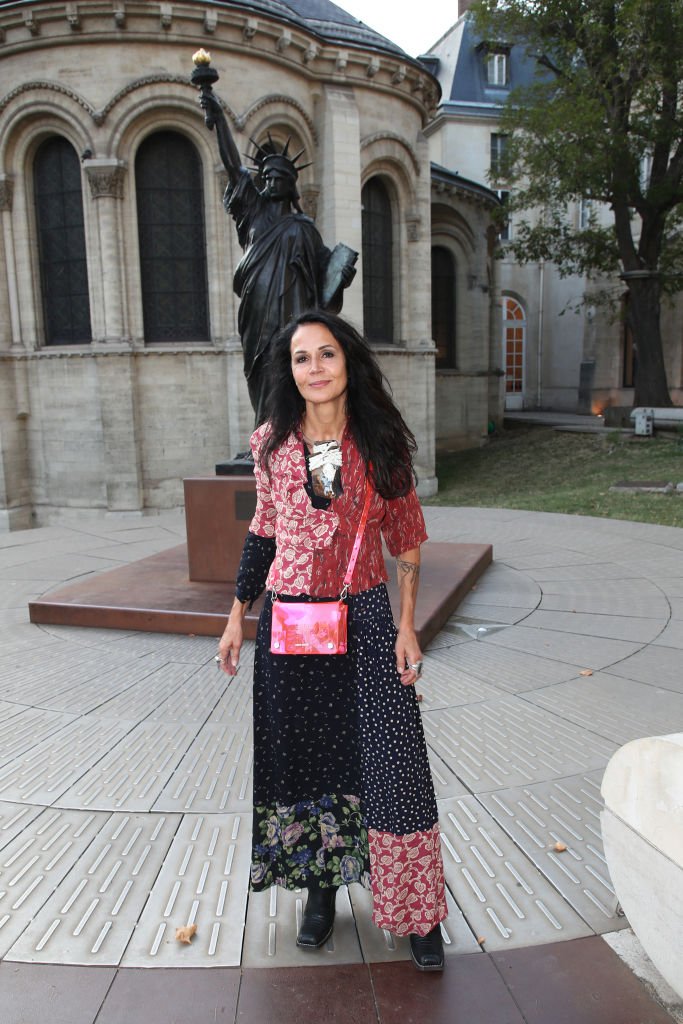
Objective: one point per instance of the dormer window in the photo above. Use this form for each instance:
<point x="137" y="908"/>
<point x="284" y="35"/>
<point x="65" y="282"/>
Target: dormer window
<point x="497" y="69"/>
<point x="496" y="59"/>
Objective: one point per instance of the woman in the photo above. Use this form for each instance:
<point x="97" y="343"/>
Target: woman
<point x="342" y="787"/>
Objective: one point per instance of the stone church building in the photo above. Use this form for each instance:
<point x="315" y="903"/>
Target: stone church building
<point x="120" y="363"/>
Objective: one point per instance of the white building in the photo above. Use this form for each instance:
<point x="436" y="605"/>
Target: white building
<point x="559" y="351"/>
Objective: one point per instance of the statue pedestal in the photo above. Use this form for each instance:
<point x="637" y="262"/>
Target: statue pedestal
<point x="218" y="510"/>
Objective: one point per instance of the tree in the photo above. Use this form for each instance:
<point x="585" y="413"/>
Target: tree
<point x="602" y="121"/>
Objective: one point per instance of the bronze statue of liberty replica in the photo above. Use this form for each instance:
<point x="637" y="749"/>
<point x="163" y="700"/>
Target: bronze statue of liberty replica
<point x="285" y="268"/>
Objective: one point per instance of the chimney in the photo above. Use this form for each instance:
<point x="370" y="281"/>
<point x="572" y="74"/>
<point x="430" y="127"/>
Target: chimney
<point x="463" y="7"/>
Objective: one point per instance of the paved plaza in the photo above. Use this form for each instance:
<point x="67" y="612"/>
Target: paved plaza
<point x="125" y="788"/>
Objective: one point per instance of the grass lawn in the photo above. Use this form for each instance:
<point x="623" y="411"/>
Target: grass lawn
<point x="545" y="470"/>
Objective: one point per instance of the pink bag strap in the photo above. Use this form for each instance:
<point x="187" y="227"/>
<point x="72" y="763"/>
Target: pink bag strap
<point x="357" y="542"/>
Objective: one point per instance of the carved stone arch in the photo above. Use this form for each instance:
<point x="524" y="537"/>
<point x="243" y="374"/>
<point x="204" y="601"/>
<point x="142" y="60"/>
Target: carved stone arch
<point x="146" y="111"/>
<point x="140" y="87"/>
<point x="279" y="107"/>
<point x="162" y="115"/>
<point x="32" y="116"/>
<point x="44" y="85"/>
<point x="398" y="145"/>
<point x="391" y="157"/>
<point x="450" y="223"/>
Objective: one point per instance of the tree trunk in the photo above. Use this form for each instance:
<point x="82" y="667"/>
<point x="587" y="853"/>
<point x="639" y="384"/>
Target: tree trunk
<point x="651" y="387"/>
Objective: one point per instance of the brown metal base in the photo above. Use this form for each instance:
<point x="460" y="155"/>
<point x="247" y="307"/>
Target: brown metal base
<point x="156" y="595"/>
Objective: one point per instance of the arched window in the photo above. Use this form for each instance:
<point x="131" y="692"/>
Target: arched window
<point x="514" y="345"/>
<point x="443" y="306"/>
<point x="378" y="291"/>
<point x="61" y="243"/>
<point x="168" y="182"/>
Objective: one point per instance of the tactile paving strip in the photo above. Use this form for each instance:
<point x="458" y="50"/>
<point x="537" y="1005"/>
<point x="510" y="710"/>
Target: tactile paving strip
<point x="214" y="776"/>
<point x="444" y="685"/>
<point x="24" y="727"/>
<point x="35" y="861"/>
<point x="138" y="702"/>
<point x="193" y="650"/>
<point x="14" y="818"/>
<point x="43" y="773"/>
<point x="57" y="670"/>
<point x="92" y="914"/>
<point x="513" y="671"/>
<point x="203" y="880"/>
<point x="508" y="742"/>
<point x="505" y="899"/>
<point x="567" y="812"/>
<point x="195" y="699"/>
<point x="619" y="709"/>
<point x="132" y="774"/>
<point x="88" y="695"/>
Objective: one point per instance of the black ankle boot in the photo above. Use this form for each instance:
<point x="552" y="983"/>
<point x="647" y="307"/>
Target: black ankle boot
<point x="427" y="950"/>
<point x="318" y="920"/>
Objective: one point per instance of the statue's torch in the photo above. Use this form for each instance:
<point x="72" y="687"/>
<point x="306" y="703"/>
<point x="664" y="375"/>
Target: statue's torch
<point x="204" y="76"/>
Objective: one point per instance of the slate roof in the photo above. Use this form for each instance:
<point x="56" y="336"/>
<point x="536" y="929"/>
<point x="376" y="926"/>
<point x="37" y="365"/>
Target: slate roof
<point x="469" y="84"/>
<point x="322" y="17"/>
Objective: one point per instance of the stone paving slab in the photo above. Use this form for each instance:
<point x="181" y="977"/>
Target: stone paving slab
<point x="42" y="773"/>
<point x="509" y="670"/>
<point x="21" y="728"/>
<point x="203" y="880"/>
<point x="215" y="773"/>
<point x="508" y="742"/>
<point x="134" y="770"/>
<point x="35" y="862"/>
<point x="506" y="900"/>
<point x="633" y="598"/>
<point x="444" y="686"/>
<point x="91" y="915"/>
<point x="655" y="665"/>
<point x="538" y="818"/>
<point x="671" y="635"/>
<point x="618" y="709"/>
<point x="595" y="652"/>
<point x="610" y="627"/>
<point x="591" y="571"/>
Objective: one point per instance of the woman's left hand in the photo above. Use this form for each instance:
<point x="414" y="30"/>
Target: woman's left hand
<point x="408" y="656"/>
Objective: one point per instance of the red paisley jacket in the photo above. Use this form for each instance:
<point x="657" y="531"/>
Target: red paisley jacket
<point x="314" y="545"/>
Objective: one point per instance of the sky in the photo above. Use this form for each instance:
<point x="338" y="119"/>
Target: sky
<point x="414" y="26"/>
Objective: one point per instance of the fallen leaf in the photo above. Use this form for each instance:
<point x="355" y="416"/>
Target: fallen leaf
<point x="586" y="672"/>
<point x="560" y="847"/>
<point x="185" y="933"/>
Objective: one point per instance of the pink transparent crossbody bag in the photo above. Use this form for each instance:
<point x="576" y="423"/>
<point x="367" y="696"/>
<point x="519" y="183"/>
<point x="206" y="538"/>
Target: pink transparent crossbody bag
<point x="316" y="627"/>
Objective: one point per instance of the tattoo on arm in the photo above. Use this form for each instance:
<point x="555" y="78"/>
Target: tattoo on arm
<point x="407" y="572"/>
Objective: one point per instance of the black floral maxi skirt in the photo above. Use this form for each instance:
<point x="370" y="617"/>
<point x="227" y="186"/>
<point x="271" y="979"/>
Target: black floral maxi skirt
<point x="342" y="787"/>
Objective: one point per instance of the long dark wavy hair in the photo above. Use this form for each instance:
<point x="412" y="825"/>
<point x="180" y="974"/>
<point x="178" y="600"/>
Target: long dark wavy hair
<point x="382" y="436"/>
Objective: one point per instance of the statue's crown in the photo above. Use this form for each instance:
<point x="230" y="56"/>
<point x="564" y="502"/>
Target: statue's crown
<point x="268" y="156"/>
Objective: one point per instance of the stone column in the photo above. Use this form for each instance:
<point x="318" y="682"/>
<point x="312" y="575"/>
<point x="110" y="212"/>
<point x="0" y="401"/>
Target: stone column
<point x="339" y="213"/>
<point x="418" y="246"/>
<point x="10" y="321"/>
<point x="106" y="181"/>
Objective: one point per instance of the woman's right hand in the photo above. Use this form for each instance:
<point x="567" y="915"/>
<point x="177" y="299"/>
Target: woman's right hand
<point x="230" y="643"/>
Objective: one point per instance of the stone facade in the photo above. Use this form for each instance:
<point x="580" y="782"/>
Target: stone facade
<point x="113" y="426"/>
